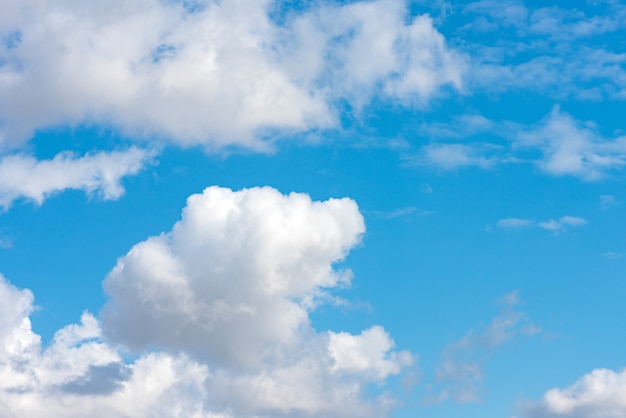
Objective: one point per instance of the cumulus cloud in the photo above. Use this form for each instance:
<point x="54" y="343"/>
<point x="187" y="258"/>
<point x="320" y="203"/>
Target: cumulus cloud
<point x="212" y="73"/>
<point x="79" y="375"/>
<point x="224" y="298"/>
<point x="23" y="176"/>
<point x="235" y="277"/>
<point x="599" y="394"/>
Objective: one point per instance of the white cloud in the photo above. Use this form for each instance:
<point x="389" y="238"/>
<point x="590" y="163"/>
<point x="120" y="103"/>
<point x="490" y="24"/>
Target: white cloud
<point x="225" y="299"/>
<point x="599" y="394"/>
<point x="561" y="224"/>
<point x="571" y="148"/>
<point x="23" y="176"/>
<point x="222" y="74"/>
<point x="559" y="145"/>
<point x="234" y="277"/>
<point x="554" y="225"/>
<point x="455" y="156"/>
<point x="78" y="375"/>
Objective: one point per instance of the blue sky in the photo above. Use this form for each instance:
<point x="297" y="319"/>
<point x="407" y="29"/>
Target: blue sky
<point x="302" y="208"/>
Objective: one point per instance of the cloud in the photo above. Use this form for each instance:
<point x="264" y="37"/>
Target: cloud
<point x="217" y="74"/>
<point x="224" y="298"/>
<point x="454" y="156"/>
<point x="559" y="145"/>
<point x="569" y="49"/>
<point x="78" y="375"/>
<point x="23" y="176"/>
<point x="254" y="259"/>
<point x="607" y="201"/>
<point x="599" y="394"/>
<point x="554" y="225"/>
<point x="460" y="375"/>
<point x="506" y="13"/>
<point x="570" y="148"/>
<point x="612" y="255"/>
<point x="561" y="224"/>
<point x="514" y="223"/>
<point x="402" y="212"/>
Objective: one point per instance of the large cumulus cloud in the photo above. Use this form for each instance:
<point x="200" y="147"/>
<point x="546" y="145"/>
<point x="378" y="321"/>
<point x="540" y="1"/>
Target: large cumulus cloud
<point x="216" y="312"/>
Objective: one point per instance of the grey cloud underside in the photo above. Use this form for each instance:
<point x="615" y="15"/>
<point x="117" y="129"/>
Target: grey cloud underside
<point x="99" y="380"/>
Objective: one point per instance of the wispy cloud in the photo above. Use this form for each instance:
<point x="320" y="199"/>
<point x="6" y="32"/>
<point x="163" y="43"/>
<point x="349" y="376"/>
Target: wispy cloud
<point x="402" y="212"/>
<point x="559" y="145"/>
<point x="25" y="177"/>
<point x="460" y="373"/>
<point x="515" y="223"/>
<point x="454" y="156"/>
<point x="573" y="148"/>
<point x="554" y="225"/>
<point x="612" y="255"/>
<point x="569" y="56"/>
<point x="607" y="201"/>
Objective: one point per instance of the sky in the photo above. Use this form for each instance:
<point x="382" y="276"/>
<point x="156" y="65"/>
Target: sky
<point x="307" y="208"/>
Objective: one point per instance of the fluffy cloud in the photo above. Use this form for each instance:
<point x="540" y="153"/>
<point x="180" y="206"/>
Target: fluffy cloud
<point x="213" y="73"/>
<point x="23" y="176"/>
<point x="599" y="394"/>
<point x="234" y="277"/>
<point x="78" y="375"/>
<point x="225" y="299"/>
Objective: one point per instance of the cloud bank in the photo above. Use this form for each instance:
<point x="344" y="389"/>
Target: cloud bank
<point x="224" y="298"/>
<point x="208" y="72"/>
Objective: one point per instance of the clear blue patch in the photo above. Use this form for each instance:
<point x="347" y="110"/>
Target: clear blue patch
<point x="12" y="40"/>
